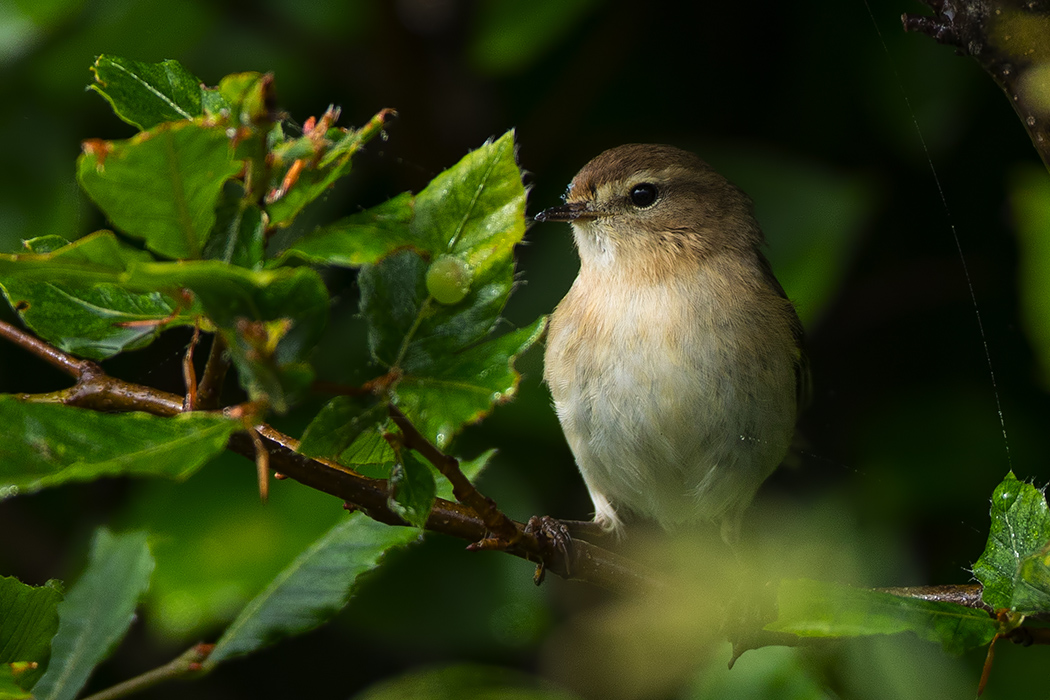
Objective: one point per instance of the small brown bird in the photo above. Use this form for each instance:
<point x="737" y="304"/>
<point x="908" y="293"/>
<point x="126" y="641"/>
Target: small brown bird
<point x="675" y="359"/>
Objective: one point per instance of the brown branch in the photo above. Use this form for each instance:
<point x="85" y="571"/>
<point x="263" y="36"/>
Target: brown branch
<point x="72" y="366"/>
<point x="1010" y="39"/>
<point x="209" y="391"/>
<point x="495" y="520"/>
<point x="96" y="390"/>
<point x="968" y="594"/>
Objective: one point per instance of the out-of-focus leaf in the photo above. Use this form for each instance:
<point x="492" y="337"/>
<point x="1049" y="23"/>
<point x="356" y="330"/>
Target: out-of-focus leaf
<point x="508" y="36"/>
<point x="1017" y="539"/>
<point x="812" y="227"/>
<point x="28" y="621"/>
<point x="339" y="423"/>
<point x="412" y="488"/>
<point x="270" y="320"/>
<point x="359" y="239"/>
<point x="326" y="157"/>
<point x="821" y="609"/>
<point x="464" y="682"/>
<point x="162" y="185"/>
<point x="147" y="94"/>
<point x="61" y="293"/>
<point x="1032" y="595"/>
<point x="51" y="444"/>
<point x="97" y="612"/>
<point x="10" y="675"/>
<point x="1030" y="201"/>
<point x="313" y="588"/>
<point x="243" y="97"/>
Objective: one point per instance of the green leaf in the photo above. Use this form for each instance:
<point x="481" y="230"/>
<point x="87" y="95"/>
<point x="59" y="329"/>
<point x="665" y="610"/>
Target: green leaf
<point x="361" y="238"/>
<point x="412" y="488"/>
<point x="161" y="186"/>
<point x="61" y="293"/>
<point x="270" y="319"/>
<point x="448" y="392"/>
<point x="28" y="621"/>
<point x="10" y="688"/>
<point x="313" y="588"/>
<point x="819" y="609"/>
<point x="464" y="682"/>
<point x="1032" y="594"/>
<point x="97" y="612"/>
<point x="452" y="373"/>
<point x="327" y="158"/>
<point x="239" y="234"/>
<point x="242" y="98"/>
<point x="339" y="424"/>
<point x="473" y="216"/>
<point x="476" y="209"/>
<point x="147" y="94"/>
<point x="1020" y="530"/>
<point x="51" y="444"/>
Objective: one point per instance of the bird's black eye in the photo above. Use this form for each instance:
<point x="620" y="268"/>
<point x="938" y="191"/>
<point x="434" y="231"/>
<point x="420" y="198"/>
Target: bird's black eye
<point x="643" y="194"/>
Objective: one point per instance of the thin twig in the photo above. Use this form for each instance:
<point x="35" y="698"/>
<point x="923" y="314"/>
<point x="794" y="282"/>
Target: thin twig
<point x="465" y="492"/>
<point x="187" y="663"/>
<point x="209" y="391"/>
<point x="968" y="594"/>
<point x="72" y="366"/>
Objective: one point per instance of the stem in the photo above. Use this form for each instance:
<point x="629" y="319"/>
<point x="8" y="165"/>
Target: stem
<point x="465" y="492"/>
<point x="209" y="390"/>
<point x="72" y="366"/>
<point x="187" y="663"/>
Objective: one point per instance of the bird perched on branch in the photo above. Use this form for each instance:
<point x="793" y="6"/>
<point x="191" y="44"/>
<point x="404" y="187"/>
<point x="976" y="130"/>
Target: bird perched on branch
<point x="675" y="359"/>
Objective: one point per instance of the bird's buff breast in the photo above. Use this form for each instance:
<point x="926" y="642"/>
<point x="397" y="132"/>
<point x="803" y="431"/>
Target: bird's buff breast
<point x="667" y="407"/>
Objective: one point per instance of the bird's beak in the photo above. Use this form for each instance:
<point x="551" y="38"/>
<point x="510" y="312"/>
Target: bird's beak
<point x="573" y="211"/>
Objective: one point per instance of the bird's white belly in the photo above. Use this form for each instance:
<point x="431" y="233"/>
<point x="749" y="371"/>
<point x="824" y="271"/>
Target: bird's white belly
<point x="666" y="413"/>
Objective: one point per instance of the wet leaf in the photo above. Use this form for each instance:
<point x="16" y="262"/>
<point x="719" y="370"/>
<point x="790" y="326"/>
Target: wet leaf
<point x="326" y="159"/>
<point x="1010" y="568"/>
<point x="340" y="423"/>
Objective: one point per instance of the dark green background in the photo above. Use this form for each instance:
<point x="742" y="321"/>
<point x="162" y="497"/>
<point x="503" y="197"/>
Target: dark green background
<point x="799" y="103"/>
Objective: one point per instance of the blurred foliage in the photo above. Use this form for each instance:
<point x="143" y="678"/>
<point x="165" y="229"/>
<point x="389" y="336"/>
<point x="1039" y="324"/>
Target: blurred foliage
<point x="801" y="106"/>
